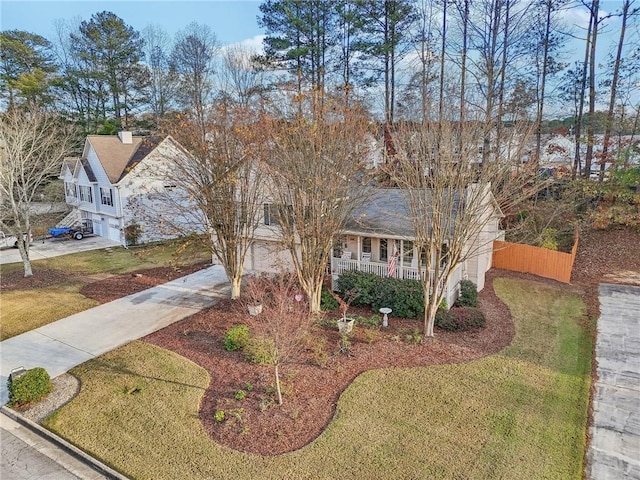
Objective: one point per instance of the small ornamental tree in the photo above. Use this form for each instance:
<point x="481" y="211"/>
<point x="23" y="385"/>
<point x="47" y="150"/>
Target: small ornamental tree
<point x="283" y="321"/>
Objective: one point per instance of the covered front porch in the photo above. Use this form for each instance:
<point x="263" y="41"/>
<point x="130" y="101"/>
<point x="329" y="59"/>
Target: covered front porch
<point x="386" y="257"/>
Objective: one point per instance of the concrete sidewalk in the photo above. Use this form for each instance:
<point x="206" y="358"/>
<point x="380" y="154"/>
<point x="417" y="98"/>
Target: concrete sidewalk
<point x="62" y="345"/>
<point x="614" y="450"/>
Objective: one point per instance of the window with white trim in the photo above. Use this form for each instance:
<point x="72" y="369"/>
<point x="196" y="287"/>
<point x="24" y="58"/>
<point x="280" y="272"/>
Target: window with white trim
<point x="106" y="196"/>
<point x="85" y="194"/>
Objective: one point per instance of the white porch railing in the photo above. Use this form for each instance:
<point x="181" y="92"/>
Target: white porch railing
<point x="341" y="265"/>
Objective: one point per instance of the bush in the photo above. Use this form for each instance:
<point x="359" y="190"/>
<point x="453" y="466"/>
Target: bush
<point x="459" y="319"/>
<point x="236" y="338"/>
<point x="31" y="386"/>
<point x="361" y="282"/>
<point x="445" y="320"/>
<point x="468" y="294"/>
<point x="327" y="302"/>
<point x="404" y="297"/>
<point x="258" y="350"/>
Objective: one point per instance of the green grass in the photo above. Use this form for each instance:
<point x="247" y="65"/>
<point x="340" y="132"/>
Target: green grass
<point x="20" y="313"/>
<point x="519" y="414"/>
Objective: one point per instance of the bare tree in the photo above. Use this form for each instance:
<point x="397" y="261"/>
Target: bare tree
<point x="283" y="320"/>
<point x="163" y="85"/>
<point x="224" y="180"/>
<point x="242" y="78"/>
<point x="315" y="168"/>
<point x="192" y="58"/>
<point x="33" y="144"/>
<point x="628" y="10"/>
<point x="452" y="198"/>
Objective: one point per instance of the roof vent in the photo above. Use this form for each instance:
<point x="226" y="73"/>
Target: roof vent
<point x="125" y="137"/>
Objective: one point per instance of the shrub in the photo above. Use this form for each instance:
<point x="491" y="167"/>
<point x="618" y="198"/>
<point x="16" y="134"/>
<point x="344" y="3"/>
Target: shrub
<point x="31" y="386"/>
<point x="469" y="317"/>
<point x="404" y="297"/>
<point x="236" y="338"/>
<point x="459" y="319"/>
<point x="468" y="294"/>
<point x="327" y="301"/>
<point x="258" y="350"/>
<point x="369" y="322"/>
<point x="361" y="282"/>
<point x="445" y="320"/>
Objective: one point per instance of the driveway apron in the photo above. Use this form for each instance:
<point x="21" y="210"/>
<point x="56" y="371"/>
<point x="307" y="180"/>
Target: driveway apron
<point x="62" y="345"/>
<point x="614" y="452"/>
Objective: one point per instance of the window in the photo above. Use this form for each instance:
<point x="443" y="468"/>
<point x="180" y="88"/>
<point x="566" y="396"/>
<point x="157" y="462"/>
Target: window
<point x="384" y="256"/>
<point x="85" y="194"/>
<point x="106" y="196"/>
<point x="366" y="245"/>
<point x="274" y="214"/>
<point x="407" y="251"/>
<point x="339" y="246"/>
<point x="70" y="189"/>
<point x="444" y="255"/>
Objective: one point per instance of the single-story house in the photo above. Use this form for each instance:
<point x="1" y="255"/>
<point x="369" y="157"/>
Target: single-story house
<point x="376" y="230"/>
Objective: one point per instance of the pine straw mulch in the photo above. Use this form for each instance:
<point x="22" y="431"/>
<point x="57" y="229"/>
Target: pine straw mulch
<point x="313" y="381"/>
<point x="606" y="256"/>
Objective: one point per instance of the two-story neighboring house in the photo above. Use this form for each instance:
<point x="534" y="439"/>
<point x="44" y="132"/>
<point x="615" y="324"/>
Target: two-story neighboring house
<point x="112" y="171"/>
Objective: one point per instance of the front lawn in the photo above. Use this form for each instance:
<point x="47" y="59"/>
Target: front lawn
<point x="519" y="414"/>
<point x="57" y="282"/>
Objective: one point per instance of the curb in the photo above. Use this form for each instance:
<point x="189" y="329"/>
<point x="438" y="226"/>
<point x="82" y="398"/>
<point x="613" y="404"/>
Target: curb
<point x="64" y="445"/>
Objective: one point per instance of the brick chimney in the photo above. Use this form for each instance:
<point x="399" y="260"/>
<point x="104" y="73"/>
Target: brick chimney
<point x="125" y="137"/>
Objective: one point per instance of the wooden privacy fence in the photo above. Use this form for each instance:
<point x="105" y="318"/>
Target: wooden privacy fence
<point x="536" y="260"/>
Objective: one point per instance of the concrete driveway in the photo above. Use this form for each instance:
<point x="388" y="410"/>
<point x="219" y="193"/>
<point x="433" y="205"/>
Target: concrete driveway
<point x="62" y="345"/>
<point x="614" y="450"/>
<point x="54" y="247"/>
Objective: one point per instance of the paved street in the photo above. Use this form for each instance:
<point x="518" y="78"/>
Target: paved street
<point x="614" y="452"/>
<point x="27" y="456"/>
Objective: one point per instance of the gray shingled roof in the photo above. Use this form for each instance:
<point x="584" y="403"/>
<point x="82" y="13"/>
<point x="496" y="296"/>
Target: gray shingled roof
<point x="385" y="213"/>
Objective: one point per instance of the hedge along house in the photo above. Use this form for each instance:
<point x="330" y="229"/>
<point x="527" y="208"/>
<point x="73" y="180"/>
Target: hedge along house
<point x="380" y="239"/>
<point x="114" y="177"/>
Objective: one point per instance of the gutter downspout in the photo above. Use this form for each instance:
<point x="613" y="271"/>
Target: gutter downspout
<point x="120" y="215"/>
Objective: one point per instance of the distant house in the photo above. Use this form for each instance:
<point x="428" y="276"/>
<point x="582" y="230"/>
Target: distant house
<point x="375" y="231"/>
<point x="114" y="175"/>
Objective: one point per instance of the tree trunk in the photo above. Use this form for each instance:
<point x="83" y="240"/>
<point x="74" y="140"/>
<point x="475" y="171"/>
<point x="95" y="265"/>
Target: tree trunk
<point x="614" y="88"/>
<point x="24" y="254"/>
<point x="543" y="82"/>
<point x="577" y="164"/>
<point x="235" y="286"/>
<point x="278" y="389"/>
<point x="591" y="126"/>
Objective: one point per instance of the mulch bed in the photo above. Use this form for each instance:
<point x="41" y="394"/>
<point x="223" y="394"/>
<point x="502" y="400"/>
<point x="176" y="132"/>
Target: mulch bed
<point x="312" y="387"/>
<point x="119" y="286"/>
<point x="603" y="252"/>
<point x="312" y="390"/>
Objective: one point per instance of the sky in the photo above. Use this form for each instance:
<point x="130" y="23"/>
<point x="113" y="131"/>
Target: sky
<point x="231" y="21"/>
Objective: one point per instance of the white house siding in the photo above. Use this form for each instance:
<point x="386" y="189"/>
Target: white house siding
<point x="269" y="257"/>
<point x="143" y="193"/>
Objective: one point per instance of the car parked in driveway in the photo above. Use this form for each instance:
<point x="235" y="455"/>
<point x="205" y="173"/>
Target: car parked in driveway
<point x="10" y="241"/>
